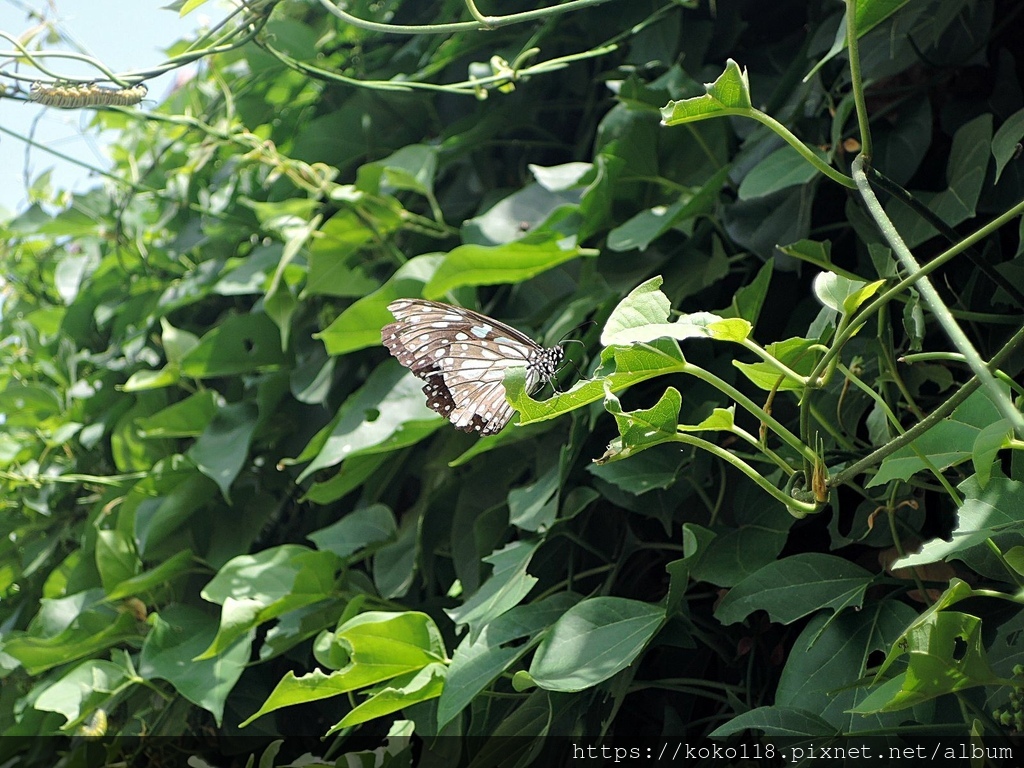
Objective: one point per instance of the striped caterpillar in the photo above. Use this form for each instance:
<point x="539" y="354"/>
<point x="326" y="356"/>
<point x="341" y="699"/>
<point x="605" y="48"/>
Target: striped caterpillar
<point x="89" y="95"/>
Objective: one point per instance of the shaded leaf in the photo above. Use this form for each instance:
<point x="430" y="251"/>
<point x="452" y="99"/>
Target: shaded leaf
<point x="593" y="640"/>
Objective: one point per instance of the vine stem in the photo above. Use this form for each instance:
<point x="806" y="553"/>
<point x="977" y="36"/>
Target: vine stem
<point x="790" y="138"/>
<point x="796" y="507"/>
<point x="891" y="293"/>
<point x="953" y="357"/>
<point x="481" y="23"/>
<point x="463" y="88"/>
<point x="934" y="302"/>
<point x="742" y="400"/>
<point x="929" y="421"/>
<point x="853" y="52"/>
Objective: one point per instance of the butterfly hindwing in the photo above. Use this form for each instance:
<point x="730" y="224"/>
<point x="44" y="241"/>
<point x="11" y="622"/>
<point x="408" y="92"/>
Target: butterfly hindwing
<point x="463" y="356"/>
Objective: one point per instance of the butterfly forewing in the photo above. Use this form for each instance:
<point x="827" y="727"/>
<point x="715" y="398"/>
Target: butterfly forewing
<point x="463" y="356"/>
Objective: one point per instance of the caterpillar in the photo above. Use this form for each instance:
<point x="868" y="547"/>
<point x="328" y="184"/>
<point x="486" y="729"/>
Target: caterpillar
<point x="94" y="726"/>
<point x="88" y="95"/>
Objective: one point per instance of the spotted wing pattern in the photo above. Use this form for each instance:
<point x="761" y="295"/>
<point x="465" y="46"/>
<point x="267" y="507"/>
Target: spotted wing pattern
<point x="462" y="356"/>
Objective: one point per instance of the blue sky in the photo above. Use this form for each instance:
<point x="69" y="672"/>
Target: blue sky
<point x="124" y="34"/>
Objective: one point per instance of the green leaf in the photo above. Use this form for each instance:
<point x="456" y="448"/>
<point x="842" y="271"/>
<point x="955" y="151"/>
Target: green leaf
<point x="873" y="12"/>
<point x="240" y="344"/>
<point x="648" y="225"/>
<point x="740" y="551"/>
<point x="177" y="343"/>
<point x="130" y="451"/>
<point x="948" y="443"/>
<point x="177" y="635"/>
<point x="946" y="654"/>
<point x="91" y="632"/>
<point x="827" y="663"/>
<point x="508" y="585"/>
<point x="1015" y="558"/>
<point x="1006" y="142"/>
<point x="221" y="451"/>
<point x="869" y="14"/>
<point x="140" y="381"/>
<point x="410" y="639"/>
<point x="165" y="500"/>
<point x="640" y="474"/>
<point x="353" y="473"/>
<point x="82" y="690"/>
<point x="279" y="303"/>
<point x="69" y="273"/>
<point x="721" y="419"/>
<point x="401" y="692"/>
<point x="186" y="418"/>
<point x="986" y="512"/>
<point x="645" y="305"/>
<point x="593" y="640"/>
<point x="699" y="325"/>
<point x="508" y="263"/>
<point x="304" y="623"/>
<point x="482" y="656"/>
<point x="965" y="174"/>
<point x="638" y="430"/>
<point x="696" y="541"/>
<point x="748" y="301"/>
<point x="335" y="264"/>
<point x="533" y="507"/>
<point x="841" y="294"/>
<point x="379" y="645"/>
<point x="557" y="178"/>
<point x="238" y="621"/>
<point x="25" y="405"/>
<point x="795" y="587"/>
<point x="190" y="5"/>
<point x="257" y="588"/>
<point x="394" y="565"/>
<point x="642" y="316"/>
<point x="115" y="558"/>
<point x="292" y="689"/>
<point x="794" y="353"/>
<point x="785" y="167"/>
<point x="360" y="324"/>
<point x="507" y="746"/>
<point x="990" y="441"/>
<point x="160" y="576"/>
<point x="818" y="253"/>
<point x="359" y="529"/>
<point x="250" y="275"/>
<point x="410" y="168"/>
<point x="282" y="217"/>
<point x="728" y="94"/>
<point x="635" y="426"/>
<point x="388" y="412"/>
<point x="621" y="367"/>
<point x="778" y="721"/>
<point x="271" y="575"/>
<point x="534" y="209"/>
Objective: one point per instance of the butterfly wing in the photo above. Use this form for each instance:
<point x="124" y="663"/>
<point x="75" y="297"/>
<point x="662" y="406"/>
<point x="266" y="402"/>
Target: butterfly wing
<point x="462" y="355"/>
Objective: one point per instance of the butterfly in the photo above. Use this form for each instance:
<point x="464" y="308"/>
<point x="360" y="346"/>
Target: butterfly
<point x="463" y="356"/>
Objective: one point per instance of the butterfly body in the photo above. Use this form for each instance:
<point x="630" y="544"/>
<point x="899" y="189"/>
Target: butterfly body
<point x="463" y="356"/>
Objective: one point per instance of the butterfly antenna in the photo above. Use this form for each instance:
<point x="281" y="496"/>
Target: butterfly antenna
<point x="578" y="371"/>
<point x="584" y="324"/>
<point x="572" y="362"/>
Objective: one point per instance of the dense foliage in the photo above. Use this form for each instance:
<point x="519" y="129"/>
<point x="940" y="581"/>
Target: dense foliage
<point x="777" y="493"/>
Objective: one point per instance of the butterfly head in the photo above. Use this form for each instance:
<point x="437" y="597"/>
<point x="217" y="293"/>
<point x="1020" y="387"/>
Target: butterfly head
<point x="543" y="365"/>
